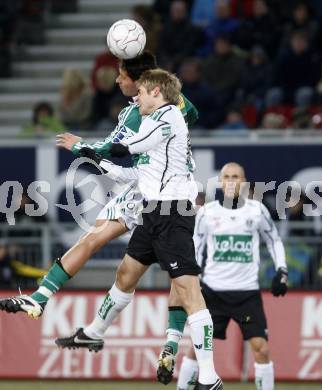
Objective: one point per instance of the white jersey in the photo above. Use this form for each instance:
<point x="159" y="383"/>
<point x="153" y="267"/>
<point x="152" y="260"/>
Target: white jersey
<point x="163" y="166"/>
<point x="232" y="237"/>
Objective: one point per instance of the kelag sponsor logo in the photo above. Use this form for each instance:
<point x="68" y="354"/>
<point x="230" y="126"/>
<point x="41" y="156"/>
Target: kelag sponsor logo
<point x="237" y="248"/>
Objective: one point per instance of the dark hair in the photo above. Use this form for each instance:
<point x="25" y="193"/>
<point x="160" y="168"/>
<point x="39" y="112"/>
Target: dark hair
<point x="134" y="67"/>
<point x="40" y="107"/>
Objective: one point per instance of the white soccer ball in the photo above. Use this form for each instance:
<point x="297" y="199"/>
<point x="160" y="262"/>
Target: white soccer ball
<point x="126" y="39"/>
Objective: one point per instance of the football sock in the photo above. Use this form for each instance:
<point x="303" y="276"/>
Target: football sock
<point x="201" y="334"/>
<point x="51" y="283"/>
<point x="264" y="376"/>
<point x="177" y="318"/>
<point x="188" y="374"/>
<point x="114" y="302"/>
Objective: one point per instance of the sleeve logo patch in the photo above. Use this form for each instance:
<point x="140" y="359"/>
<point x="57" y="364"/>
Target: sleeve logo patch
<point x="166" y="130"/>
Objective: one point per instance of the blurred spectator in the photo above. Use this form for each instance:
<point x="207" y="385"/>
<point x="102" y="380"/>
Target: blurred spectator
<point x="282" y="9"/>
<point x="75" y="105"/>
<point x="222" y="70"/>
<point x="6" y="270"/>
<point x="101" y="60"/>
<point x="301" y="119"/>
<point x="8" y="16"/>
<point x="256" y="78"/>
<point x="302" y="19"/>
<point x="272" y="120"/>
<point x="317" y="120"/>
<point x="241" y="9"/>
<point x="317" y="7"/>
<point x="149" y="20"/>
<point x="196" y="90"/>
<point x="203" y="12"/>
<point x="179" y="38"/>
<point x="162" y="8"/>
<point x="44" y="123"/>
<point x="295" y="213"/>
<point x="30" y="28"/>
<point x="234" y="120"/>
<point x="63" y="6"/>
<point x="13" y="271"/>
<point x="297" y="72"/>
<point x="223" y="24"/>
<point x="261" y="29"/>
<point x="106" y="90"/>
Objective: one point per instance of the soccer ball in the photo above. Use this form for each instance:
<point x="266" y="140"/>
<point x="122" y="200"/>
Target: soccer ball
<point x="126" y="39"/>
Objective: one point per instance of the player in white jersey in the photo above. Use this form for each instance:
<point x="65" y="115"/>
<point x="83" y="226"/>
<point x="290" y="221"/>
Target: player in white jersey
<point x="166" y="234"/>
<point x="230" y="230"/>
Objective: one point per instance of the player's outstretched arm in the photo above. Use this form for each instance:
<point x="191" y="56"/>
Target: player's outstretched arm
<point x="67" y="140"/>
<point x="115" y="172"/>
<point x="75" y="144"/>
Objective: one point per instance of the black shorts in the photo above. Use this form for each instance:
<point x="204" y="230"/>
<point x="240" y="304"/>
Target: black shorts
<point x="166" y="239"/>
<point x="244" y="307"/>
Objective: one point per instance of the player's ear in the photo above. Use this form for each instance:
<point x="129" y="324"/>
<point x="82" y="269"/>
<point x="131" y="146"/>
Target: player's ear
<point x="156" y="91"/>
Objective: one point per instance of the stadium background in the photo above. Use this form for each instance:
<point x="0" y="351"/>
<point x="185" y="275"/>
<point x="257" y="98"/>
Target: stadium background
<point x="262" y="111"/>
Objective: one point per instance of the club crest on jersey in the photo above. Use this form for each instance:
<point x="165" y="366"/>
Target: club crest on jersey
<point x="249" y="223"/>
<point x="216" y="222"/>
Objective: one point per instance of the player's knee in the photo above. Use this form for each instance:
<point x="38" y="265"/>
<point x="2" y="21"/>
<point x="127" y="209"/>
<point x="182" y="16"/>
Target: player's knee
<point x="183" y="296"/>
<point x="124" y="278"/>
<point x="261" y="352"/>
<point x="91" y="242"/>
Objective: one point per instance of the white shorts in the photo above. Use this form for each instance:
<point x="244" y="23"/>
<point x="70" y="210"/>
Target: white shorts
<point x="126" y="207"/>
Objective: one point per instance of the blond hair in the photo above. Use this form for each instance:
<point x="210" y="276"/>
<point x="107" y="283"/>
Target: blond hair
<point x="74" y="82"/>
<point x="169" y="84"/>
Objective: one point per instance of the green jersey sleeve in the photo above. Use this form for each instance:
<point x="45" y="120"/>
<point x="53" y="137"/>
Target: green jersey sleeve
<point x="189" y="111"/>
<point x="129" y="121"/>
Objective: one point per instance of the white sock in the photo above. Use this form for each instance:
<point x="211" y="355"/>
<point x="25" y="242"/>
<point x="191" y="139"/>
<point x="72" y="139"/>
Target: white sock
<point x="174" y="335"/>
<point x="201" y="334"/>
<point x="188" y="374"/>
<point x="264" y="376"/>
<point x="114" y="302"/>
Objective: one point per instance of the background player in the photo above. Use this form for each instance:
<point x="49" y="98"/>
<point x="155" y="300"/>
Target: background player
<point x="230" y="229"/>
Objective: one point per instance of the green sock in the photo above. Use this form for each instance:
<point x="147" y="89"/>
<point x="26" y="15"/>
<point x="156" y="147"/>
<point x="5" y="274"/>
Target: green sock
<point x="51" y="283"/>
<point x="176" y="322"/>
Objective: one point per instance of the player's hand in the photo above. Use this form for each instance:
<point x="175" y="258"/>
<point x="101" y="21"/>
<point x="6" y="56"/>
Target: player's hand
<point x="279" y="282"/>
<point x="67" y="140"/>
<point x="91" y="154"/>
<point x="119" y="150"/>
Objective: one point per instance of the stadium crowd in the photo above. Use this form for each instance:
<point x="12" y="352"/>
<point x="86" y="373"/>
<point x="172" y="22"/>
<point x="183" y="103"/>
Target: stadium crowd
<point x="245" y="64"/>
